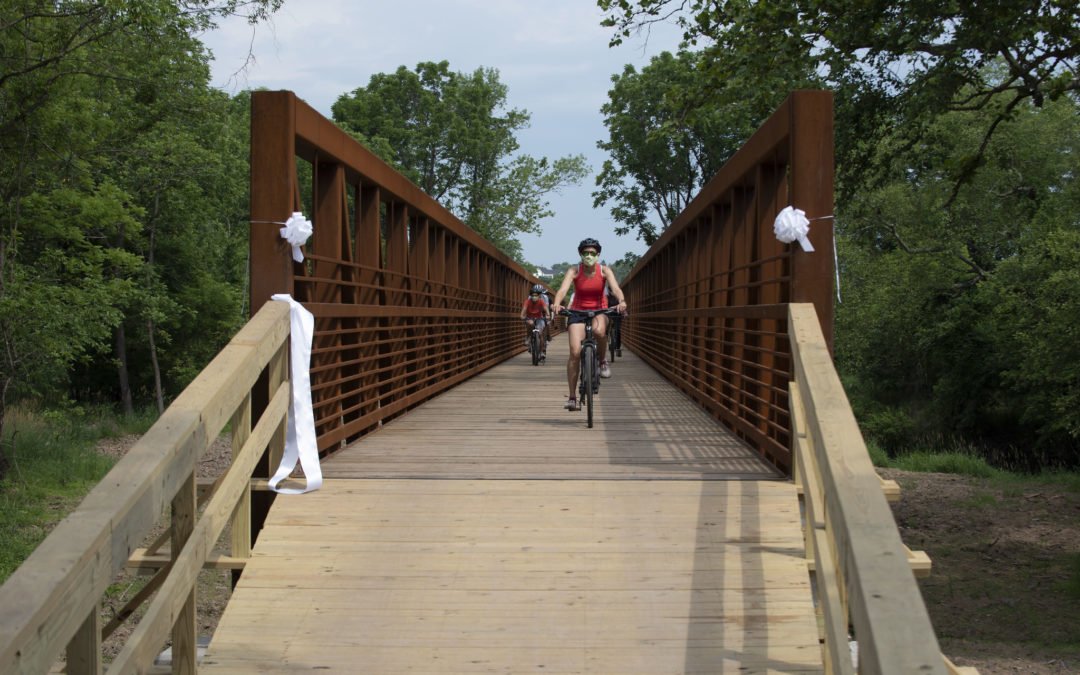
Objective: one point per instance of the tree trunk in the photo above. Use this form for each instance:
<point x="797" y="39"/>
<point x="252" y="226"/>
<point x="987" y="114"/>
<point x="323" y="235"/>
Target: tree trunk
<point x="122" y="367"/>
<point x="150" y="322"/>
<point x="4" y="463"/>
<point x="157" y="370"/>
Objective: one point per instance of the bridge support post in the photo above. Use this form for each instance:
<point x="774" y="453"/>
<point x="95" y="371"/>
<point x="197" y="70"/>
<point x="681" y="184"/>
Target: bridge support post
<point x="274" y="196"/>
<point x="812" y="175"/>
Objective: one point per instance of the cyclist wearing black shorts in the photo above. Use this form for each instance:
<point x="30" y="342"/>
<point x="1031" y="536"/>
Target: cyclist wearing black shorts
<point x="588" y="281"/>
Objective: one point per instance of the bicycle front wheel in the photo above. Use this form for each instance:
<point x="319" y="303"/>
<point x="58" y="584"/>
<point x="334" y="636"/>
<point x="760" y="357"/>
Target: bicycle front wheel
<point x="534" y="347"/>
<point x="588" y="378"/>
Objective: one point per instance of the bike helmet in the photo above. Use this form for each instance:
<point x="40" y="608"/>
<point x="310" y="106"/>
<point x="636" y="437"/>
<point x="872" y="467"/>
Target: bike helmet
<point x="537" y="288"/>
<point x="589" y="242"/>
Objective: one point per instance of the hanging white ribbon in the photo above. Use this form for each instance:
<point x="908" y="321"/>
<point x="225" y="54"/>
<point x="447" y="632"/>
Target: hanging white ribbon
<point x="297" y="231"/>
<point x="300" y="442"/>
<point x="836" y="266"/>
<point x="790" y="225"/>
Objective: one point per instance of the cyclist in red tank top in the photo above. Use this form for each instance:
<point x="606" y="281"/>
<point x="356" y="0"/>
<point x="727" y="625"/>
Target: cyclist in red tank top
<point x="588" y="280"/>
<point x="536" y="310"/>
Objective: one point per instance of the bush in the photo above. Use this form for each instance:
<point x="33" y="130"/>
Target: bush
<point x="890" y="428"/>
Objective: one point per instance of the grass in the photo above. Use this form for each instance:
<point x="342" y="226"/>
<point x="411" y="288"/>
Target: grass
<point x="51" y="466"/>
<point x="966" y="461"/>
<point x="1071" y="586"/>
<point x="1008" y="587"/>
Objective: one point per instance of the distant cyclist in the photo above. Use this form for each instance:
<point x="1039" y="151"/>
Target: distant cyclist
<point x="588" y="281"/>
<point x="615" y="333"/>
<point x="536" y="311"/>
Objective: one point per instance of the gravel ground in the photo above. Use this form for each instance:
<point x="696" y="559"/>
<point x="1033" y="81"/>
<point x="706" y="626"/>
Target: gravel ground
<point x="214" y="586"/>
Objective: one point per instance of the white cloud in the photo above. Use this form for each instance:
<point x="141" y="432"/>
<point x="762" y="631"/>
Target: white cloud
<point x="552" y="55"/>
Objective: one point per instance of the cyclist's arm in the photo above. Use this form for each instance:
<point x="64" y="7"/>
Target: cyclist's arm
<point x="523" y="306"/>
<point x="571" y="273"/>
<point x="613" y="287"/>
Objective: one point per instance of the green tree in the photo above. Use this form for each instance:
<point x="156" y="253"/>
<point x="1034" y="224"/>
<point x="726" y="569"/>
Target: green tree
<point x="955" y="320"/>
<point x="624" y="265"/>
<point x="100" y="103"/>
<point x="452" y="135"/>
<point x="667" y="136"/>
<point x="895" y="65"/>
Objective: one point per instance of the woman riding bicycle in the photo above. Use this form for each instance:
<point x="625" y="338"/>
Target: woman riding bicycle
<point x="536" y="311"/>
<point x="588" y="280"/>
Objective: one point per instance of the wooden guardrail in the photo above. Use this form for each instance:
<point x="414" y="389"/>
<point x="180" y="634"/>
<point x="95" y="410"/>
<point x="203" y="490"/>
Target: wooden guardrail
<point x="708" y="299"/>
<point x="862" y="568"/>
<point x="51" y="602"/>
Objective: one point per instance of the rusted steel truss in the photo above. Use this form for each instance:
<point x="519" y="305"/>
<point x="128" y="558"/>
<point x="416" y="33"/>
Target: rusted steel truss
<point x="708" y="299"/>
<point x="408" y="300"/>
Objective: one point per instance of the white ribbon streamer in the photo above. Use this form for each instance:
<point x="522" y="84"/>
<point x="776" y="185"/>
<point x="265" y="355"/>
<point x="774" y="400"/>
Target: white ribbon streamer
<point x="790" y="225"/>
<point x="300" y="442"/>
<point x="836" y="266"/>
<point x="297" y="231"/>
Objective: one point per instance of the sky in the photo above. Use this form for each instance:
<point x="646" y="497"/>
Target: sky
<point x="552" y="55"/>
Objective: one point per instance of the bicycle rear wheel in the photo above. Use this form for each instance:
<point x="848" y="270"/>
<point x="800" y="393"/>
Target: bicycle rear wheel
<point x="588" y="378"/>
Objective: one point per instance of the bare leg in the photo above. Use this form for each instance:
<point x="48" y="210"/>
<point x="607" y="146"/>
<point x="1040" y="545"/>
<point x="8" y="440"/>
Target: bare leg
<point x="573" y="364"/>
<point x="599" y="327"/>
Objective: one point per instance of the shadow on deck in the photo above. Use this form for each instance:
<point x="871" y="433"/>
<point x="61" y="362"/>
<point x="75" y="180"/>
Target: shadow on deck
<point x="490" y="531"/>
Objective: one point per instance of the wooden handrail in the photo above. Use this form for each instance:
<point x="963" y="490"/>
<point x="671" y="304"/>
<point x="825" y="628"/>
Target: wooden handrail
<point x="51" y="601"/>
<point x="864" y="577"/>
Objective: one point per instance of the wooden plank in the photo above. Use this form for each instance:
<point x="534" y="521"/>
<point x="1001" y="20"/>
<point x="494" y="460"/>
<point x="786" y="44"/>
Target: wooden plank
<point x="487" y="576"/>
<point x="84" y="650"/>
<point x="184" y="513"/>
<point x="142" y="560"/>
<point x="644" y="428"/>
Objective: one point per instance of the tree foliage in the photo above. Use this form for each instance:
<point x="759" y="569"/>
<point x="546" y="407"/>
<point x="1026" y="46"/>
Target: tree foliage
<point x="956" y="131"/>
<point x="452" y="134"/>
<point x="894" y="65"/>
<point x="123" y="177"/>
<point x="662" y="145"/>
<point x="624" y="265"/>
<point x="959" y="320"/>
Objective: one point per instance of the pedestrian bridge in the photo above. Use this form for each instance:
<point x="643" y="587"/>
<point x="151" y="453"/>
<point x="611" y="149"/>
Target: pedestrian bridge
<point x="722" y="515"/>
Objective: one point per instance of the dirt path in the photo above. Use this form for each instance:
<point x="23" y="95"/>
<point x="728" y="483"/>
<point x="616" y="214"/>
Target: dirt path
<point x="1004" y="595"/>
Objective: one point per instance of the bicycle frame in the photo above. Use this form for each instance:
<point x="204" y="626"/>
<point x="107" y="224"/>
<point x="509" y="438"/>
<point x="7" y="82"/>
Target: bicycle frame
<point x="589" y="375"/>
<point x="536" y="345"/>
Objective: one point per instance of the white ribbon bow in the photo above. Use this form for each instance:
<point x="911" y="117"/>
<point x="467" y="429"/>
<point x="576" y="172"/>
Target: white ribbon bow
<point x="791" y="224"/>
<point x="297" y="230"/>
<point x="300" y="441"/>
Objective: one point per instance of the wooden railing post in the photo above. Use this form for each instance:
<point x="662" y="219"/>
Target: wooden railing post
<point x="184" y="642"/>
<point x="84" y="650"/>
<point x="240" y="523"/>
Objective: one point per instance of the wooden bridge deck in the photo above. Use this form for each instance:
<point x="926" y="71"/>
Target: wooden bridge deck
<point x="490" y="531"/>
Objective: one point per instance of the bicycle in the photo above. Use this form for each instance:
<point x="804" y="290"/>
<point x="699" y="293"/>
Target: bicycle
<point x="615" y="337"/>
<point x="589" y="377"/>
<point x="536" y="344"/>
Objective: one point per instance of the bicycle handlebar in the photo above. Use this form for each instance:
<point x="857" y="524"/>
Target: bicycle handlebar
<point x="588" y="313"/>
